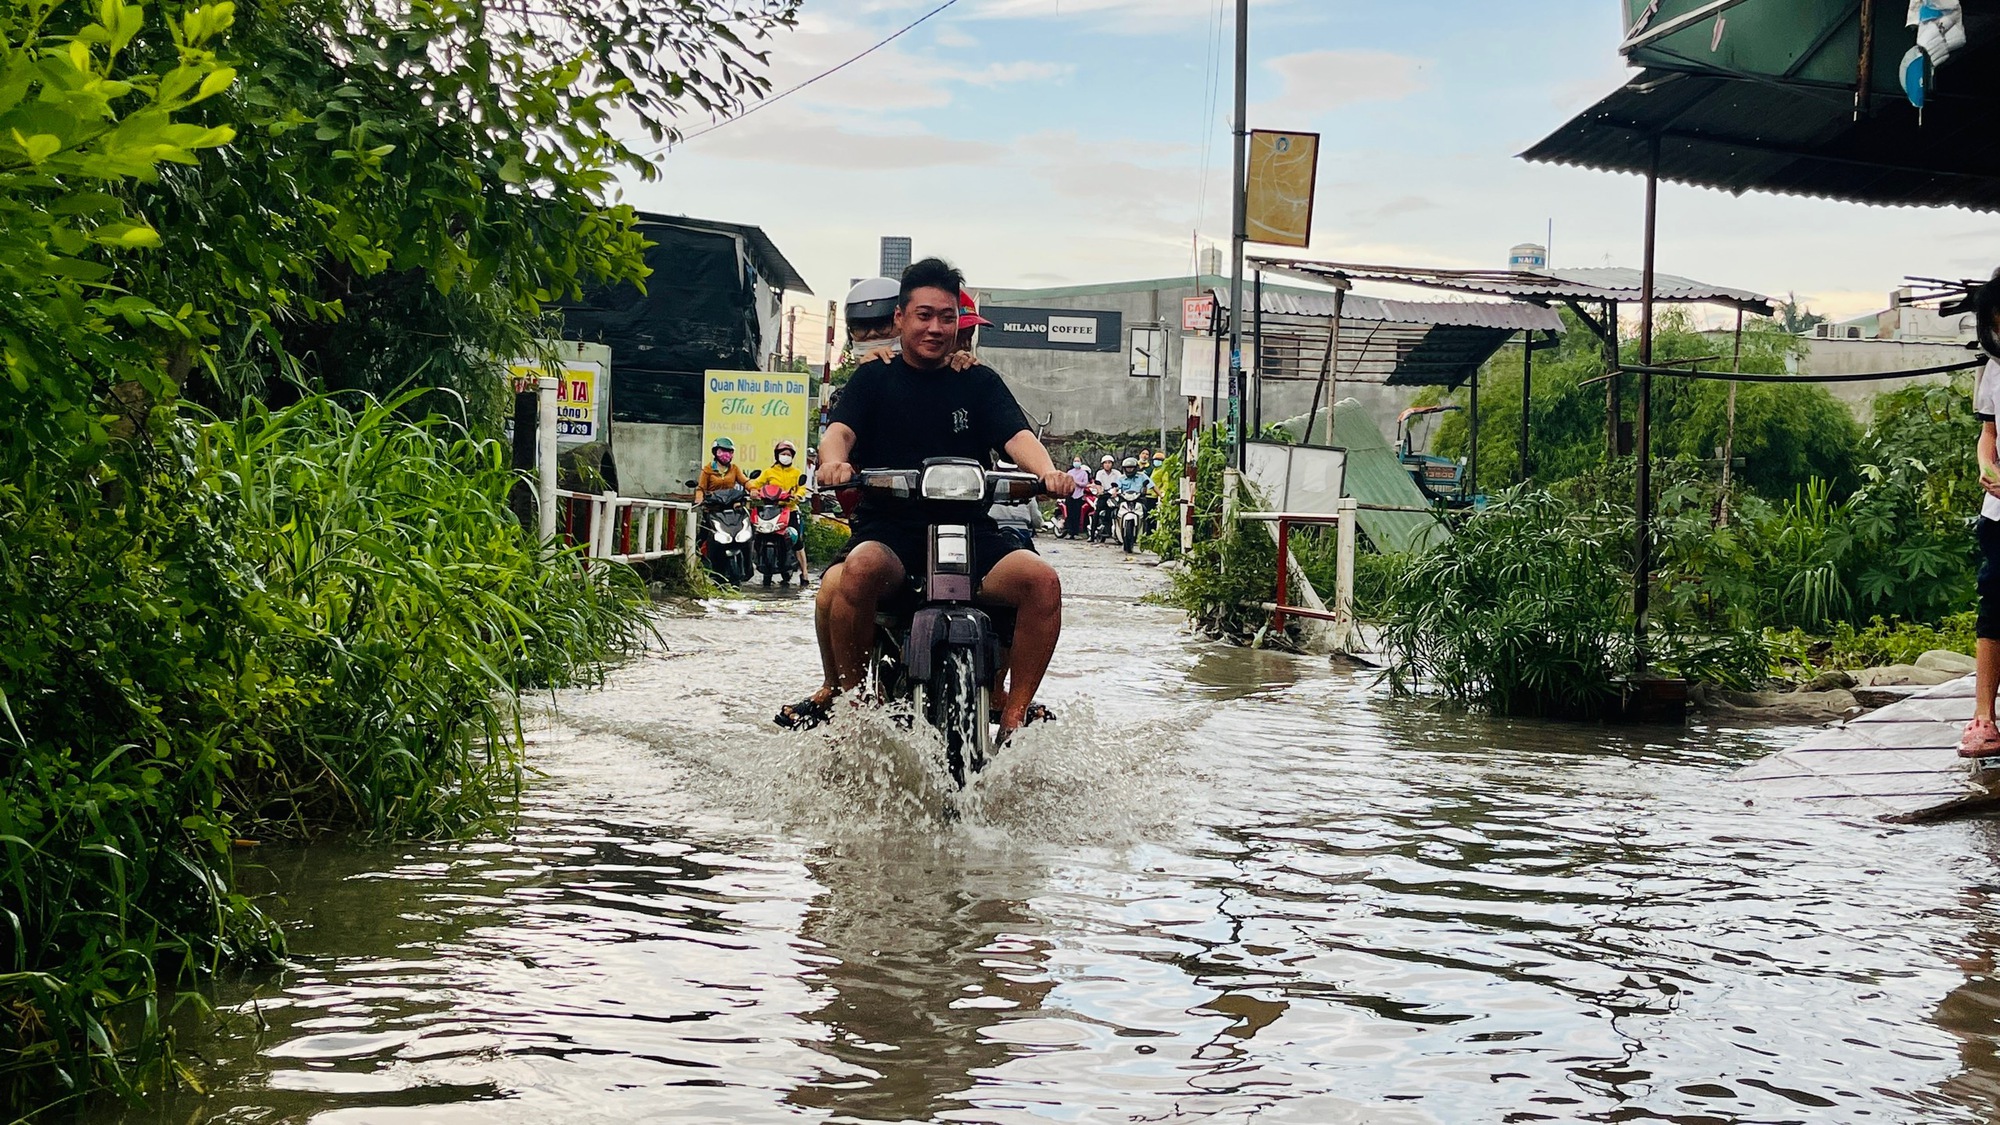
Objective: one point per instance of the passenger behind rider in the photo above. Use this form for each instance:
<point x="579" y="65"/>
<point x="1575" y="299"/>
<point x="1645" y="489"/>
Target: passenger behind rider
<point x="792" y="480"/>
<point x="898" y="414"/>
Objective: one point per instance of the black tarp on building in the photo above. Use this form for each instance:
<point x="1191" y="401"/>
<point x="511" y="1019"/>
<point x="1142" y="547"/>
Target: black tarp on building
<point x="699" y="312"/>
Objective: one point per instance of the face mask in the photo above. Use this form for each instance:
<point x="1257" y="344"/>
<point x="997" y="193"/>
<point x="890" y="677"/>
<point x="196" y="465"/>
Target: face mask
<point x="1076" y="464"/>
<point x="724" y="457"/>
<point x="784" y="458"/>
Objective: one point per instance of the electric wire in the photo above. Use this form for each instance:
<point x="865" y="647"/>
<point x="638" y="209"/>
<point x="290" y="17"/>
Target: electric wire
<point x="1211" y="92"/>
<point x="789" y="91"/>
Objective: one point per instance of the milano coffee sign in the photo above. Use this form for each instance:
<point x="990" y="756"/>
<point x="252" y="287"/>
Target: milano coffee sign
<point x="1062" y="330"/>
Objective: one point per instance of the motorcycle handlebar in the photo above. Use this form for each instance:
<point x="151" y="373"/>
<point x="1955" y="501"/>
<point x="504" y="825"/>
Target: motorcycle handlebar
<point x="1001" y="487"/>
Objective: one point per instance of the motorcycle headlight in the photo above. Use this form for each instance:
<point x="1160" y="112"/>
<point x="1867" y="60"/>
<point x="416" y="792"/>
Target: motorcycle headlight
<point x="954" y="482"/>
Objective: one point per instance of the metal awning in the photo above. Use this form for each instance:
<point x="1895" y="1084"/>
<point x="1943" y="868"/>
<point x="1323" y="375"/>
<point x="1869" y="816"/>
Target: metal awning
<point x="1781" y="96"/>
<point x="1535" y="287"/>
<point x="1397" y="343"/>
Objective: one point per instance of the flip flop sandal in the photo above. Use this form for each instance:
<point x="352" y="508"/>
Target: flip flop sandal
<point x="1036" y="714"/>
<point x="806" y="714"/>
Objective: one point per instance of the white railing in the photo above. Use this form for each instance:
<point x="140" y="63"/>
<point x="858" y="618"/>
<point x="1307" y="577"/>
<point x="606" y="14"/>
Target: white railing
<point x="628" y="528"/>
<point x="1292" y="579"/>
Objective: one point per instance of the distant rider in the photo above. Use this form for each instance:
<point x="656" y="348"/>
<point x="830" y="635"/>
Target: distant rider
<point x="792" y="480"/>
<point x="1107" y="487"/>
<point x="1073" y="508"/>
<point x="721" y="472"/>
<point x="1136" y="484"/>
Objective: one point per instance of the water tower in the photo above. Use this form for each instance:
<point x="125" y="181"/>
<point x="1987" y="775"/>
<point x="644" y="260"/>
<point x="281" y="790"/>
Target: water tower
<point x="1528" y="256"/>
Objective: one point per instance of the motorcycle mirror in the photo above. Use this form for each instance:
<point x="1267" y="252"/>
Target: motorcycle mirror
<point x="755" y="473"/>
<point x="690" y="484"/>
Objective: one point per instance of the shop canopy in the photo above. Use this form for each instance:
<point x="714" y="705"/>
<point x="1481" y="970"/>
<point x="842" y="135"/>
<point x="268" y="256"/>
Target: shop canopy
<point x="1803" y="97"/>
<point x="1398" y="343"/>
<point x="1596" y="285"/>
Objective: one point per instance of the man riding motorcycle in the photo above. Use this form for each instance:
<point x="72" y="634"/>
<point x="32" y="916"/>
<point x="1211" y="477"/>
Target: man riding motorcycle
<point x="900" y="413"/>
<point x="786" y="474"/>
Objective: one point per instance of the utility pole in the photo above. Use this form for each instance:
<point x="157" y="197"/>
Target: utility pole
<point x="1239" y="162"/>
<point x="791" y="336"/>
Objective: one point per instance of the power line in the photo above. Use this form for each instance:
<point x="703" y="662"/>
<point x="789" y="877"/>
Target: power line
<point x="1211" y="92"/>
<point x="822" y="74"/>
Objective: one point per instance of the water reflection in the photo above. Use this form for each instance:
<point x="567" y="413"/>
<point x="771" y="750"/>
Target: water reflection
<point x="922" y="949"/>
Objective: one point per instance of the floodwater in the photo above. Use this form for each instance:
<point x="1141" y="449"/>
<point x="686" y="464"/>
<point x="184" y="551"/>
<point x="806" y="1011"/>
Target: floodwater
<point x="1227" y="886"/>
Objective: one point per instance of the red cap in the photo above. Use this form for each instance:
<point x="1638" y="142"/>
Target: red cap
<point x="968" y="312"/>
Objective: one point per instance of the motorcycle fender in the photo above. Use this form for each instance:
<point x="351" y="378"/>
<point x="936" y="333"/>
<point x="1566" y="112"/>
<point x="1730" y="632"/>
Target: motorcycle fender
<point x="956" y="625"/>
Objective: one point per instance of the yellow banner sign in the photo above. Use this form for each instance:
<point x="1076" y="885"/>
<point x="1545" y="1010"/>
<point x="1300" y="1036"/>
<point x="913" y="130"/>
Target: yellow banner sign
<point x="756" y="410"/>
<point x="578" y="402"/>
<point x="1284" y="168"/>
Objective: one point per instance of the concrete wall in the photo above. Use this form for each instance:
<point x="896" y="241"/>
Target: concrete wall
<point x="1859" y="357"/>
<point x="655" y="460"/>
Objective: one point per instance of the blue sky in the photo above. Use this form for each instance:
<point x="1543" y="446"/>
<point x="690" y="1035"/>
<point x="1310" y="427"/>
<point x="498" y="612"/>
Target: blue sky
<point x="1048" y="142"/>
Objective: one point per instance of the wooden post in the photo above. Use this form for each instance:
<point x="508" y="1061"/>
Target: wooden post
<point x="1729" y="431"/>
<point x="1527" y="396"/>
<point x="1612" y="407"/>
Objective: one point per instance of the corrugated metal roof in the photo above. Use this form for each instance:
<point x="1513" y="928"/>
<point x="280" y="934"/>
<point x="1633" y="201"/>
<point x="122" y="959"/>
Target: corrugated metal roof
<point x="1514" y="316"/>
<point x="1739" y="133"/>
<point x="1605" y="284"/>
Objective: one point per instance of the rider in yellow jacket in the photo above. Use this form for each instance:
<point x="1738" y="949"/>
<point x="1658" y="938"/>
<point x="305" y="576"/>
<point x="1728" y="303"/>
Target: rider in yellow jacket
<point x="787" y="474"/>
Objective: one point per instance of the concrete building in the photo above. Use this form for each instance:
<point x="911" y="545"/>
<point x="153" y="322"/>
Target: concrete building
<point x="1069" y="387"/>
<point x="1901" y="337"/>
<point x="895" y="255"/>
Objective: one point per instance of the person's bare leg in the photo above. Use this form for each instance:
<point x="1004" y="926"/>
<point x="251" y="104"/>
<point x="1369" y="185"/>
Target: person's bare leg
<point x="1028" y="583"/>
<point x="1988" y="679"/>
<point x="871" y="570"/>
<point x="828" y="583"/>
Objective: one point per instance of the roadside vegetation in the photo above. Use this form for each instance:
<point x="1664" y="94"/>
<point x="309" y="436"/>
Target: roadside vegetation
<point x="1832" y="546"/>
<point x="258" y="573"/>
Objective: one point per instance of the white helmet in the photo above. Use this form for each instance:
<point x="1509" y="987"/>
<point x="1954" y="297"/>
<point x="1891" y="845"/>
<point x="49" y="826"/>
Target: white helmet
<point x="872" y="299"/>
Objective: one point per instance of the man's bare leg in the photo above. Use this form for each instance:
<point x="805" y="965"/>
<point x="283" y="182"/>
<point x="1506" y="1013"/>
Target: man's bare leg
<point x="829" y="582"/>
<point x="870" y="571"/>
<point x="1027" y="582"/>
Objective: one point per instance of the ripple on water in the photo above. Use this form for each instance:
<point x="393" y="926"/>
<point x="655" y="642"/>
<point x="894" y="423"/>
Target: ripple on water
<point x="1242" y="887"/>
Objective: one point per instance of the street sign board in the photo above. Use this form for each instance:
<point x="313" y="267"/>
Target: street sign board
<point x="1062" y="330"/>
<point x="1198" y="313"/>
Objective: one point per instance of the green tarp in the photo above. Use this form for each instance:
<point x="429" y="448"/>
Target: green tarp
<point x="1374" y="476"/>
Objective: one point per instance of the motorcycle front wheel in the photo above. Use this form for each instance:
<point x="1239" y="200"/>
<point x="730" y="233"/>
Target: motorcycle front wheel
<point x="955" y="704"/>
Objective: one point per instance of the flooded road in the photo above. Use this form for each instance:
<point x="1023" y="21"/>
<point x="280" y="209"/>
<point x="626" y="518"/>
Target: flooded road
<point x="1227" y="886"/>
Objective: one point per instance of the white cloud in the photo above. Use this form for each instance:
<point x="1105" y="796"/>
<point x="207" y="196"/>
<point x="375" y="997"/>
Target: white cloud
<point x="1317" y="82"/>
<point x="1000" y="74"/>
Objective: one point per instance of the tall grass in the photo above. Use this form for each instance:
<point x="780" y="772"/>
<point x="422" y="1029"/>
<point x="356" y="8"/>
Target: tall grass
<point x="320" y="617"/>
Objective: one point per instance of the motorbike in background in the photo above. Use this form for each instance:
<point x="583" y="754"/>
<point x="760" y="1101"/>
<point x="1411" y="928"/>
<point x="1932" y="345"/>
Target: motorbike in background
<point x="1131" y="514"/>
<point x="725" y="533"/>
<point x="772" y="525"/>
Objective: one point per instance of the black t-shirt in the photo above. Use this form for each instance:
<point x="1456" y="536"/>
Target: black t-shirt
<point x="902" y="416"/>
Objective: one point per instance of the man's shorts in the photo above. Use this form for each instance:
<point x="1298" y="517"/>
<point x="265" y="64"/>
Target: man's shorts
<point x="1987" y="625"/>
<point x="911" y="543"/>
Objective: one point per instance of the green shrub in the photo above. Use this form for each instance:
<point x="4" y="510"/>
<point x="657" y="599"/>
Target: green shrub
<point x="1526" y="610"/>
<point x="320" y="617"/>
<point x="1523" y="611"/>
<point x="1879" y="643"/>
<point x="823" y="537"/>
